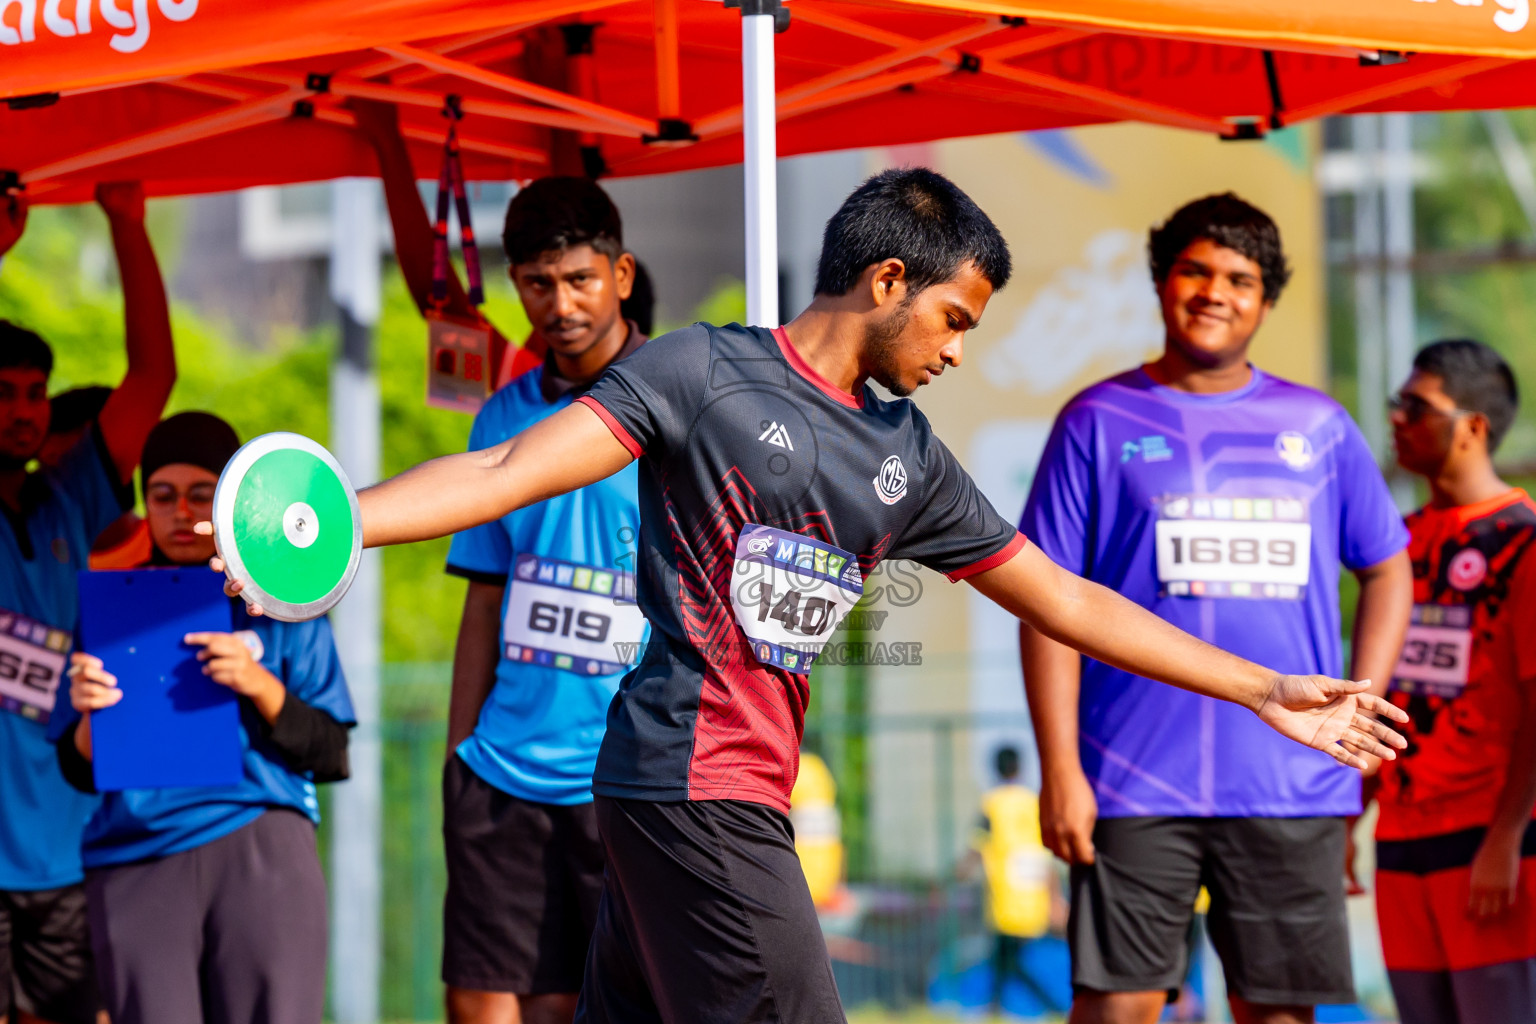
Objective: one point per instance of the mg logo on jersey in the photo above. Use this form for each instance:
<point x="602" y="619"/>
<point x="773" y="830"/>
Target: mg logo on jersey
<point x="1467" y="569"/>
<point x="1294" y="449"/>
<point x="775" y="434"/>
<point x="891" y="484"/>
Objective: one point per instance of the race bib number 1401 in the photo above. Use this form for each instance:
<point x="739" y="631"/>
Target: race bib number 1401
<point x="789" y="592"/>
<point x="32" y="660"/>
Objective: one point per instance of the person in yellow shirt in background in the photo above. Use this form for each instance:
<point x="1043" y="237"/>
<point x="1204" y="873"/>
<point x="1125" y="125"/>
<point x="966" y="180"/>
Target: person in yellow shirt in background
<point x="1024" y="900"/>
<point x="818" y="830"/>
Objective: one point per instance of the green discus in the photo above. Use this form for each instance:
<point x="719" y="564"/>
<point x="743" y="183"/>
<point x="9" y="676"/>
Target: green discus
<point x="287" y="526"/>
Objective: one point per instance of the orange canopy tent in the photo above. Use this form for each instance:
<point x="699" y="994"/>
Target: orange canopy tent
<point x="199" y="95"/>
<point x="194" y="98"/>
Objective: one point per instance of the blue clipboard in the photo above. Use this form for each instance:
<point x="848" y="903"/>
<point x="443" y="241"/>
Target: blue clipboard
<point x="174" y="725"/>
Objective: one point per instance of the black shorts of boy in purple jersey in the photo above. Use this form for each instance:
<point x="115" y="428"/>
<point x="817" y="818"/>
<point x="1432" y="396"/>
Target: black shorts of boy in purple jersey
<point x="772" y="480"/>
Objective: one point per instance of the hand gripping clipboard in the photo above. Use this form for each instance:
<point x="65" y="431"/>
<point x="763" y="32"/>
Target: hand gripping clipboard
<point x="174" y="725"/>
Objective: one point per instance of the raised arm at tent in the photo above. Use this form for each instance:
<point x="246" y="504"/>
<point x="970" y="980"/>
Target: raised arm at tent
<point x="136" y="404"/>
<point x="379" y="123"/>
<point x="1332" y="715"/>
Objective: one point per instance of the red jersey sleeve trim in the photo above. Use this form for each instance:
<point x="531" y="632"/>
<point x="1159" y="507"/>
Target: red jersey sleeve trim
<point x="992" y="561"/>
<point x="613" y="424"/>
<point x="821" y="383"/>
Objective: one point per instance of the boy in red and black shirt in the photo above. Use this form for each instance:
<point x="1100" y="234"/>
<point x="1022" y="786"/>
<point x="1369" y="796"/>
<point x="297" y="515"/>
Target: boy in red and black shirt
<point x="1456" y="889"/>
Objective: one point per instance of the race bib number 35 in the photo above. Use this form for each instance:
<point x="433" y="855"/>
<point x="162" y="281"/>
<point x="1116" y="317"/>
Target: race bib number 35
<point x="1234" y="547"/>
<point x="1437" y="651"/>
<point x="32" y="660"/>
<point x="569" y="616"/>
<point x="789" y="593"/>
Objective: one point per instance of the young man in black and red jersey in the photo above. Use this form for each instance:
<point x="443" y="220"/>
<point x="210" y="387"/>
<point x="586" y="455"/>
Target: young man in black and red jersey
<point x="1455" y="883"/>
<point x="773" y="479"/>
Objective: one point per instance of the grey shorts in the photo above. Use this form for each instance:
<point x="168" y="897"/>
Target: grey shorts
<point x="1277" y="914"/>
<point x="230" y="932"/>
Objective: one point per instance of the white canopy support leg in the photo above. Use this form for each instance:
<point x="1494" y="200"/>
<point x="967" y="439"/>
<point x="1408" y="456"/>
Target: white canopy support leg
<point x="760" y="158"/>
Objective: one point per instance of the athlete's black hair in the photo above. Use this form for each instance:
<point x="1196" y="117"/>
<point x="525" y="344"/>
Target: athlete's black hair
<point x="641" y="304"/>
<point x="70" y="410"/>
<point x="21" y="347"/>
<point x="919" y="217"/>
<point x="553" y="214"/>
<point x="1228" y="221"/>
<point x="1007" y="760"/>
<point x="1477" y="379"/>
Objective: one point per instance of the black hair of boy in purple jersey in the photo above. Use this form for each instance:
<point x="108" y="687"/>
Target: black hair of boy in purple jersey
<point x="923" y="231"/>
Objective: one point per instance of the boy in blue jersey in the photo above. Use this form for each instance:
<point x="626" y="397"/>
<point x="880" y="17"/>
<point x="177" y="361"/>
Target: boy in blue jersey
<point x="51" y="516"/>
<point x="1225" y="501"/>
<point x="208" y="903"/>
<point x="549" y="618"/>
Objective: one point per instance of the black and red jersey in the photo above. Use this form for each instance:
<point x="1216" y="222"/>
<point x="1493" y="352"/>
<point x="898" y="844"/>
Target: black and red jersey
<point x="766" y="495"/>
<point x="1470" y="649"/>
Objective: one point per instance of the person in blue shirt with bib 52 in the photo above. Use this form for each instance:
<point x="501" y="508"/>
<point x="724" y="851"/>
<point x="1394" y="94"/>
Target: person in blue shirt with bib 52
<point x="51" y="516"/>
<point x="207" y="904"/>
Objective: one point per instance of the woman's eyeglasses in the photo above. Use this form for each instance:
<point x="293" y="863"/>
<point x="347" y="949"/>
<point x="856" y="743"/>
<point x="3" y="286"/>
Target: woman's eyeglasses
<point x="165" y="494"/>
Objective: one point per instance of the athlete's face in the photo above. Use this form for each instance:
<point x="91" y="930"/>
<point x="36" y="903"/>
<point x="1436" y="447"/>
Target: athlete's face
<point x="177" y="497"/>
<point x="912" y="338"/>
<point x="572" y="295"/>
<point x="1213" y="302"/>
<point x="24" y="415"/>
<point x="1428" y="431"/>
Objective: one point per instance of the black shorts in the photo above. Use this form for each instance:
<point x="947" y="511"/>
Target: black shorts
<point x="45" y="956"/>
<point x="1277" y="914"/>
<point x="523" y="884"/>
<point x="706" y="918"/>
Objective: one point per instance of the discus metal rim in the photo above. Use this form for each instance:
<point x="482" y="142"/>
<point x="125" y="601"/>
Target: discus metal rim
<point x="224" y="526"/>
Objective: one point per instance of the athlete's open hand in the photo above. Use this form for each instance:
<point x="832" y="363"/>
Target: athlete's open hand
<point x="1335" y="716"/>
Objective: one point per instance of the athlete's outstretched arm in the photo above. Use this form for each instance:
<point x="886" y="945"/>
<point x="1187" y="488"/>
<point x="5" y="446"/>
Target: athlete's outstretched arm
<point x="1330" y="714"/>
<point x="555" y="456"/>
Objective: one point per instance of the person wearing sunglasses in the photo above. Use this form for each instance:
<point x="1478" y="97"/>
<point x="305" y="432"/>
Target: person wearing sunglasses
<point x="1455" y="886"/>
<point x="207" y="904"/>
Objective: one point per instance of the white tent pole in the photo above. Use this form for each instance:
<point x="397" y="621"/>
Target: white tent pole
<point x="357" y="805"/>
<point x="760" y="151"/>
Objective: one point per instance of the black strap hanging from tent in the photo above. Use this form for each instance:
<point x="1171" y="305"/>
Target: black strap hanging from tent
<point x="452" y="180"/>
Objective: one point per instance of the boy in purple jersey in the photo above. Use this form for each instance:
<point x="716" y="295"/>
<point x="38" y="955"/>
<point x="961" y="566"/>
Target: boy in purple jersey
<point x="773" y="479"/>
<point x="1225" y="501"/>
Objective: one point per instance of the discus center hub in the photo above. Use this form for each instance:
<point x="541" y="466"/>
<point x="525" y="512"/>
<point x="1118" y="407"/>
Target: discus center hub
<point x="300" y="524"/>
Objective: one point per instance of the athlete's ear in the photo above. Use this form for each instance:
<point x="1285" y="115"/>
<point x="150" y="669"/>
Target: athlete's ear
<point x="888" y="278"/>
